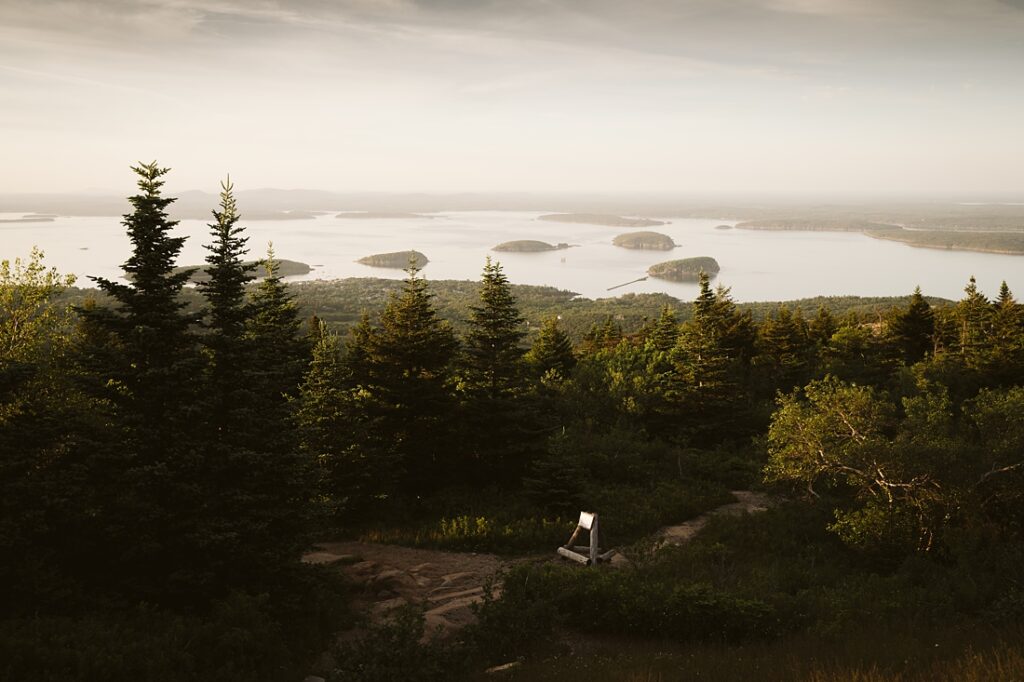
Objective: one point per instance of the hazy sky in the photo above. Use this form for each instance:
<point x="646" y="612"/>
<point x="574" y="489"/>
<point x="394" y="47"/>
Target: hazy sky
<point x="524" y="95"/>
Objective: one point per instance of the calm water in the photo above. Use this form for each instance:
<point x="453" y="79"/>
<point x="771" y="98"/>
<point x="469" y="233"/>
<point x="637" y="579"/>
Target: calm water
<point x="758" y="266"/>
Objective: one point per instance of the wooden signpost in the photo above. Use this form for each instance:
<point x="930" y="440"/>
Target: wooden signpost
<point x="586" y="555"/>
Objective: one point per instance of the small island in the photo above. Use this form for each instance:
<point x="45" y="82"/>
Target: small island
<point x="648" y="241"/>
<point x="381" y="215"/>
<point x="529" y="246"/>
<point x="723" y="227"/>
<point x="685" y="269"/>
<point x="285" y="268"/>
<point x="398" y="260"/>
<point x="601" y="219"/>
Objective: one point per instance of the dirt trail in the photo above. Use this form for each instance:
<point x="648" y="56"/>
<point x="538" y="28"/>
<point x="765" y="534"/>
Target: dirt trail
<point x="747" y="502"/>
<point x="447" y="584"/>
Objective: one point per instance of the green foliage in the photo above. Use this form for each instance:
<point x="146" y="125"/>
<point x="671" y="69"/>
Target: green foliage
<point x="912" y="329"/>
<point x="30" y="323"/>
<point x="622" y="602"/>
<point x="496" y="417"/>
<point x="911" y="476"/>
<point x="241" y="637"/>
<point x="495" y="331"/>
<point x="394" y="650"/>
<point x="408" y="361"/>
<point x="552" y="351"/>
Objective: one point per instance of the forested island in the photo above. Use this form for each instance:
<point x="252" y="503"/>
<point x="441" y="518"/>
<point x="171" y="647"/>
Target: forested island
<point x="600" y="219"/>
<point x="529" y="246"/>
<point x="229" y="482"/>
<point x="396" y="259"/>
<point x="284" y="268"/>
<point x="684" y="269"/>
<point x="654" y="241"/>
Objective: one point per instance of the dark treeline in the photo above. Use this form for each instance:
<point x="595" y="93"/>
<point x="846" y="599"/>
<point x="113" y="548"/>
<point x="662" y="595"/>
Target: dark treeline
<point x="167" y="454"/>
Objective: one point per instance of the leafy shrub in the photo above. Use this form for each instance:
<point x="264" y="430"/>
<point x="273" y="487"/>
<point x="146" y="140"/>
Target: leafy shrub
<point x="627" y="602"/>
<point x="395" y="650"/>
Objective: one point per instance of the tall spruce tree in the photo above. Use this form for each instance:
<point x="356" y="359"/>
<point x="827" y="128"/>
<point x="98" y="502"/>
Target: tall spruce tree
<point x="492" y="344"/>
<point x="152" y="507"/>
<point x="664" y="332"/>
<point x="551" y="353"/>
<point x="336" y="434"/>
<point x="155" y="379"/>
<point x="496" y="414"/>
<point x="410" y="359"/>
<point x="822" y="326"/>
<point x="273" y="328"/>
<point x="912" y="329"/>
<point x="784" y="350"/>
<point x="704" y="381"/>
<point x="1007" y="355"/>
<point x="228" y="351"/>
<point x="974" y="321"/>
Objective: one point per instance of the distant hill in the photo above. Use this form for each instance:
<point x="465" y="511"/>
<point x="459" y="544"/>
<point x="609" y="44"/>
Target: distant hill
<point x="685" y="269"/>
<point x="652" y="241"/>
<point x="29" y="219"/>
<point x="600" y="219"/>
<point x="397" y="260"/>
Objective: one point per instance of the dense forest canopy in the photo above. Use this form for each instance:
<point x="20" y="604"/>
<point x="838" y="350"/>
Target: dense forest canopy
<point x="168" y="453"/>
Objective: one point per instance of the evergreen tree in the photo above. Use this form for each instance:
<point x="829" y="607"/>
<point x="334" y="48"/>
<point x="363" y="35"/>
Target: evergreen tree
<point x="822" y="326"/>
<point x="665" y="331"/>
<point x="552" y="351"/>
<point x="409" y="360"/>
<point x="492" y="344"/>
<point x="358" y="347"/>
<point x="784" y="350"/>
<point x="974" y="321"/>
<point x="497" y="418"/>
<point x="736" y="330"/>
<point x="705" y="374"/>
<point x="153" y="511"/>
<point x="154" y="380"/>
<point x="336" y="432"/>
<point x="229" y="352"/>
<point x="280" y="351"/>
<point x="912" y="329"/>
<point x="1007" y="359"/>
<point x="601" y="336"/>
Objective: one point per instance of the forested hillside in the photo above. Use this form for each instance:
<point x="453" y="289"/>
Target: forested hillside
<point x="168" y="453"/>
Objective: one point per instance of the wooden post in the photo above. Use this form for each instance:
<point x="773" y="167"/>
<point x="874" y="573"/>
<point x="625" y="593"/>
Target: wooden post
<point x="588" y="555"/>
<point x="593" y="541"/>
<point x="569" y="554"/>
